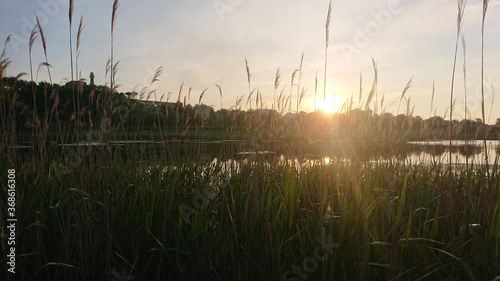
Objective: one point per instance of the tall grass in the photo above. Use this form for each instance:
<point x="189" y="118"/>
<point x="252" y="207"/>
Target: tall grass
<point x="385" y="221"/>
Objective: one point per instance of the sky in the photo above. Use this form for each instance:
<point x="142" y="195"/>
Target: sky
<point x="201" y="43"/>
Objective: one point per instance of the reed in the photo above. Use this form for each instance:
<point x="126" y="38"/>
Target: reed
<point x="464" y="68"/>
<point x="316" y="91"/>
<point x="327" y="42"/>
<point x="277" y="81"/>
<point x="249" y="78"/>
<point x="299" y="93"/>
<point x="485" y="9"/>
<point x="461" y="4"/>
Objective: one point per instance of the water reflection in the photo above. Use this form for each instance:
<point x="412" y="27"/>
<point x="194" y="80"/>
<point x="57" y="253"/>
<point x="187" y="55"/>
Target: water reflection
<point x="303" y="154"/>
<point x="370" y="151"/>
<point x="462" y="152"/>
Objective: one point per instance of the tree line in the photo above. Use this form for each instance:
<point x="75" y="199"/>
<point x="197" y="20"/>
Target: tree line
<point x="25" y="105"/>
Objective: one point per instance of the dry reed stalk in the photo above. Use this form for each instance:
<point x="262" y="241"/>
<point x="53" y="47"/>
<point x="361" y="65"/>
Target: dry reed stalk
<point x="281" y="103"/>
<point x="202" y="95"/>
<point x="373" y="90"/>
<point x="464" y="68"/>
<point x="485" y="9"/>
<point x="249" y="78"/>
<point x="258" y="100"/>
<point x="44" y="45"/>
<point x="403" y="94"/>
<point x="432" y="100"/>
<point x="188" y="96"/>
<point x="327" y="41"/>
<point x="300" y="79"/>
<point x="249" y="99"/>
<point x="360" y="89"/>
<point x="302" y="95"/>
<point x="315" y="91"/>
<point x="33" y="88"/>
<point x="460" y="18"/>
<point x="179" y="96"/>
<point x="79" y="78"/>
<point x="294" y="73"/>
<point x="112" y="86"/>
<point x="277" y="81"/>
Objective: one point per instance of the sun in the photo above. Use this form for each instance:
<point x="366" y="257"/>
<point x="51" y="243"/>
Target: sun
<point x="327" y="105"/>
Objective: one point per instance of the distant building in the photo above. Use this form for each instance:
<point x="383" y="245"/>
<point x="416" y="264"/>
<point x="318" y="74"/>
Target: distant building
<point x="290" y="116"/>
<point x="202" y="108"/>
<point x="75" y="83"/>
<point x="265" y="112"/>
<point x="154" y="106"/>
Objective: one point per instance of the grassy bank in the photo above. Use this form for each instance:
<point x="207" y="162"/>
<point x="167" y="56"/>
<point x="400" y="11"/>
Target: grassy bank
<point x="254" y="221"/>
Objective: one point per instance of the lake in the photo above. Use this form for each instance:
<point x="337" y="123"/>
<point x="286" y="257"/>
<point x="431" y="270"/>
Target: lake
<point x="429" y="152"/>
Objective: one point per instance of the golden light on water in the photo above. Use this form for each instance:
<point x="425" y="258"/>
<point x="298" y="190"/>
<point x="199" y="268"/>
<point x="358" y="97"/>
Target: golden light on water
<point x="326" y="160"/>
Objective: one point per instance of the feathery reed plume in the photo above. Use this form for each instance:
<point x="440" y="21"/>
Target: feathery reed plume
<point x="464" y="68"/>
<point x="114" y="14"/>
<point x="403" y="94"/>
<point x="190" y="90"/>
<point x="327" y="41"/>
<point x="281" y="103"/>
<point x="44" y="45"/>
<point x="71" y="9"/>
<point x="157" y="75"/>
<point x="360" y="88"/>
<point x="220" y="94"/>
<point x="294" y="73"/>
<point x="382" y="103"/>
<point x="79" y="34"/>
<point x="238" y="102"/>
<point x="4" y="62"/>
<point x="374" y="86"/>
<point x="485" y="9"/>
<point x="78" y="77"/>
<point x="249" y="77"/>
<point x="249" y="99"/>
<point x="460" y="18"/>
<point x="315" y="91"/>
<point x="258" y="100"/>
<point x="154" y="79"/>
<point x="30" y="48"/>
<point x="188" y="96"/>
<point x="7" y="40"/>
<point x="300" y="79"/>
<point x="302" y="95"/>
<point x="179" y="96"/>
<point x="71" y="6"/>
<point x="261" y="100"/>
<point x="432" y="99"/>
<point x="277" y="81"/>
<point x="33" y="87"/>
<point x="492" y="100"/>
<point x="113" y="71"/>
<point x="202" y="95"/>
